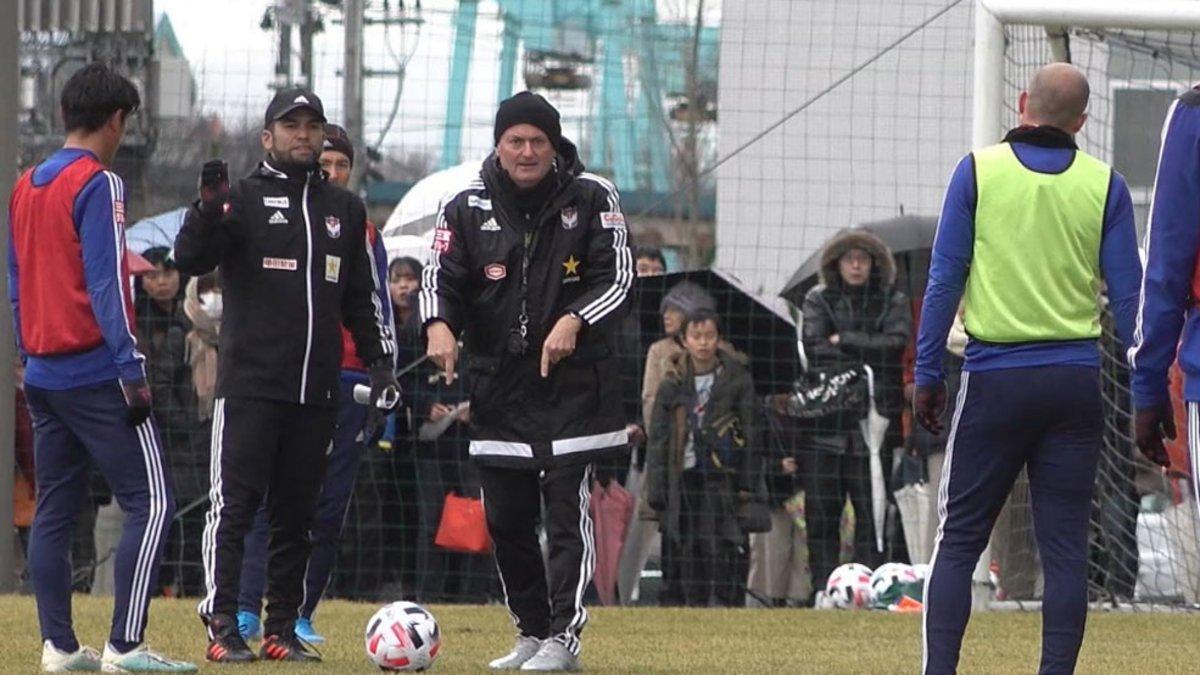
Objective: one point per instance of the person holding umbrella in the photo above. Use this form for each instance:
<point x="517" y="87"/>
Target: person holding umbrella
<point x="1030" y="229"/>
<point x="854" y="317"/>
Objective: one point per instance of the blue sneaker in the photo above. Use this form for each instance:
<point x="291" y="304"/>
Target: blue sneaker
<point x="249" y="626"/>
<point x="305" y="631"/>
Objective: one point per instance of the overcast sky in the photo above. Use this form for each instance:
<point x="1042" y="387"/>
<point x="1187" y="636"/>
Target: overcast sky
<point x="233" y="60"/>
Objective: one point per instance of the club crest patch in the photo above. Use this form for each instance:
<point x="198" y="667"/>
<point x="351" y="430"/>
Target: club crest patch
<point x="333" y="226"/>
<point x="570" y="218"/>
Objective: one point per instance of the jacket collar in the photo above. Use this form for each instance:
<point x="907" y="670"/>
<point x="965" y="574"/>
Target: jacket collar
<point x="1044" y="136"/>
<point x="283" y="172"/>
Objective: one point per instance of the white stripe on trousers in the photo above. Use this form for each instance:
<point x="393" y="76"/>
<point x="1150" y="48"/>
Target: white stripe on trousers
<point x="139" y="588"/>
<point x="499" y="572"/>
<point x="1193" y="422"/>
<point x="943" y="498"/>
<point x="213" y="518"/>
<point x="587" y="562"/>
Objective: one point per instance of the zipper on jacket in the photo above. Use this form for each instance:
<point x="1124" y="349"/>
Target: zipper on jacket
<point x="308" y="272"/>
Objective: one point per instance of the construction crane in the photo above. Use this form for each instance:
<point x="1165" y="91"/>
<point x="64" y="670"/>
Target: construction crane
<point x="643" y="75"/>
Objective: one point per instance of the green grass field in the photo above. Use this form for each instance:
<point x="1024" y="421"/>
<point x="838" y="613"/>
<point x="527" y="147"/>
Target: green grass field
<point x="647" y="640"/>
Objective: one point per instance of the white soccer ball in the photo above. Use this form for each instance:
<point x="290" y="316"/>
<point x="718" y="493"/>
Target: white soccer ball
<point x="922" y="571"/>
<point x="849" y="586"/>
<point x="890" y="575"/>
<point x="403" y="636"/>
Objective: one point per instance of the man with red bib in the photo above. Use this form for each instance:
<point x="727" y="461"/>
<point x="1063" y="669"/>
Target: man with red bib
<point x="85" y="381"/>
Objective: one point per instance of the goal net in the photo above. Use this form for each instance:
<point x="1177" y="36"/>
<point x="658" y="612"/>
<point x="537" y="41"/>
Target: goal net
<point x="1137" y="57"/>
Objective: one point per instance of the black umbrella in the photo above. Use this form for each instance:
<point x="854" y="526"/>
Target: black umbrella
<point x="904" y="235"/>
<point x="764" y="334"/>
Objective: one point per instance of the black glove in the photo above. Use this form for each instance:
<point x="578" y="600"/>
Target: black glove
<point x="385" y="396"/>
<point x="1150" y="426"/>
<point x="929" y="402"/>
<point x="214" y="189"/>
<point x="137" y="400"/>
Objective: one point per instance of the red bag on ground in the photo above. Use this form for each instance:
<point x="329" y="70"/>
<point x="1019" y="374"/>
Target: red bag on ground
<point x="463" y="528"/>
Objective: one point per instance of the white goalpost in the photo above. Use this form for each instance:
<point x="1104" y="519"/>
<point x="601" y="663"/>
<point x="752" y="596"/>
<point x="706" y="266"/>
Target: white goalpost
<point x="991" y="17"/>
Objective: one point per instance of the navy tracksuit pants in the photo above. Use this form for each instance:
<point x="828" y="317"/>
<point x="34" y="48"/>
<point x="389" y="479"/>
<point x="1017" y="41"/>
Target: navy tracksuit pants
<point x="1047" y="419"/>
<point x="72" y="429"/>
<point x="336" y="491"/>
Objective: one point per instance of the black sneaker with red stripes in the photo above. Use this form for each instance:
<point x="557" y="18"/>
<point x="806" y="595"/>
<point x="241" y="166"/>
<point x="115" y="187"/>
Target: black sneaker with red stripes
<point x="287" y="647"/>
<point x="227" y="645"/>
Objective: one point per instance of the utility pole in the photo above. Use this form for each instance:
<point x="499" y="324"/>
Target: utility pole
<point x="691" y="152"/>
<point x="307" y="29"/>
<point x="352" y="92"/>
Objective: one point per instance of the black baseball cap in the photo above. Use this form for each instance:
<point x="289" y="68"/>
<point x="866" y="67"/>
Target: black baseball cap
<point x="288" y="100"/>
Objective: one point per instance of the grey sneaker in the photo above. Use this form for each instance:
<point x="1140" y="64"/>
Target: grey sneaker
<point x="84" y="659"/>
<point x="521" y="652"/>
<point x="142" y="660"/>
<point x="553" y="656"/>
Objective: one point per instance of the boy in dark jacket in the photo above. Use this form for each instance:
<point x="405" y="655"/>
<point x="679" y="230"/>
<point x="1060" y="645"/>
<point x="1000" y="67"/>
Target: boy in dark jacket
<point x="702" y="463"/>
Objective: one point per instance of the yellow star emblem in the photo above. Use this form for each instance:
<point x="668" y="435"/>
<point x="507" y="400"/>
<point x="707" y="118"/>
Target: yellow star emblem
<point x="571" y="265"/>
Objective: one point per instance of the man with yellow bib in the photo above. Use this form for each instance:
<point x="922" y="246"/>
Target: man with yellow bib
<point x="1030" y="230"/>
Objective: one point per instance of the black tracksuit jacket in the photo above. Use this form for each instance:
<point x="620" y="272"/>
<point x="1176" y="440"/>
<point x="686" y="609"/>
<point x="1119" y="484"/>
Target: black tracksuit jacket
<point x="580" y="263"/>
<point x="295" y="266"/>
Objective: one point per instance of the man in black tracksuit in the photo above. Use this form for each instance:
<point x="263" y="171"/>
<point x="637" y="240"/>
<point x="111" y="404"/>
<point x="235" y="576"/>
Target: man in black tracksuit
<point x="531" y="267"/>
<point x="295" y="265"/>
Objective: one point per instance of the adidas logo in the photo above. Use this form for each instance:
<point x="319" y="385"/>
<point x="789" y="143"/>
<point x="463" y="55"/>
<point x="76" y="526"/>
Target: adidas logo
<point x="278" y="219"/>
<point x="301" y="99"/>
<point x="490" y="225"/>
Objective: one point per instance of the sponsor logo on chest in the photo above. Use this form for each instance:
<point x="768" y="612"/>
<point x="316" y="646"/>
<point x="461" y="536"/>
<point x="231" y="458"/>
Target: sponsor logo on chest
<point x="612" y="220"/>
<point x="495" y="271"/>
<point x="276" y="202"/>
<point x="277" y="218"/>
<point x="333" y="268"/>
<point x="443" y="238"/>
<point x="285" y="264"/>
<point x="490" y="225"/>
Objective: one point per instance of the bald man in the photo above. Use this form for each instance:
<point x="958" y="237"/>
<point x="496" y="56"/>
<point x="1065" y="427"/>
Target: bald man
<point x="1030" y="229"/>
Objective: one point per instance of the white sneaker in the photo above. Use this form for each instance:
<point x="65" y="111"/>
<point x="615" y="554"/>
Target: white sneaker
<point x="81" y="660"/>
<point x="554" y="657"/>
<point x="525" y="649"/>
<point x="142" y="660"/>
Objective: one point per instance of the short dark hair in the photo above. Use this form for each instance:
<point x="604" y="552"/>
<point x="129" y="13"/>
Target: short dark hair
<point x="702" y="315"/>
<point x="651" y="252"/>
<point x="93" y="94"/>
<point x="412" y="264"/>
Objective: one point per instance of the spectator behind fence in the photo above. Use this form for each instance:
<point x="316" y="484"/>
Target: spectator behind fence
<point x="204" y="304"/>
<point x="779" y="574"/>
<point x="703" y="461"/>
<point x="642" y="532"/>
<point x="684" y="298"/>
<point x="441" y="435"/>
<point x="854" y="317"/>
<point x="404" y="280"/>
<point x="930" y="448"/>
<point x="163" y="327"/>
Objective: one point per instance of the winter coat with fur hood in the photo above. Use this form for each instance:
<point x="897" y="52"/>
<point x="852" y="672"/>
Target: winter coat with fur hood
<point x="873" y="324"/>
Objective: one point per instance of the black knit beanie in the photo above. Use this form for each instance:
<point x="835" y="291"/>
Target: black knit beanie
<point x="337" y="140"/>
<point x="528" y="108"/>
